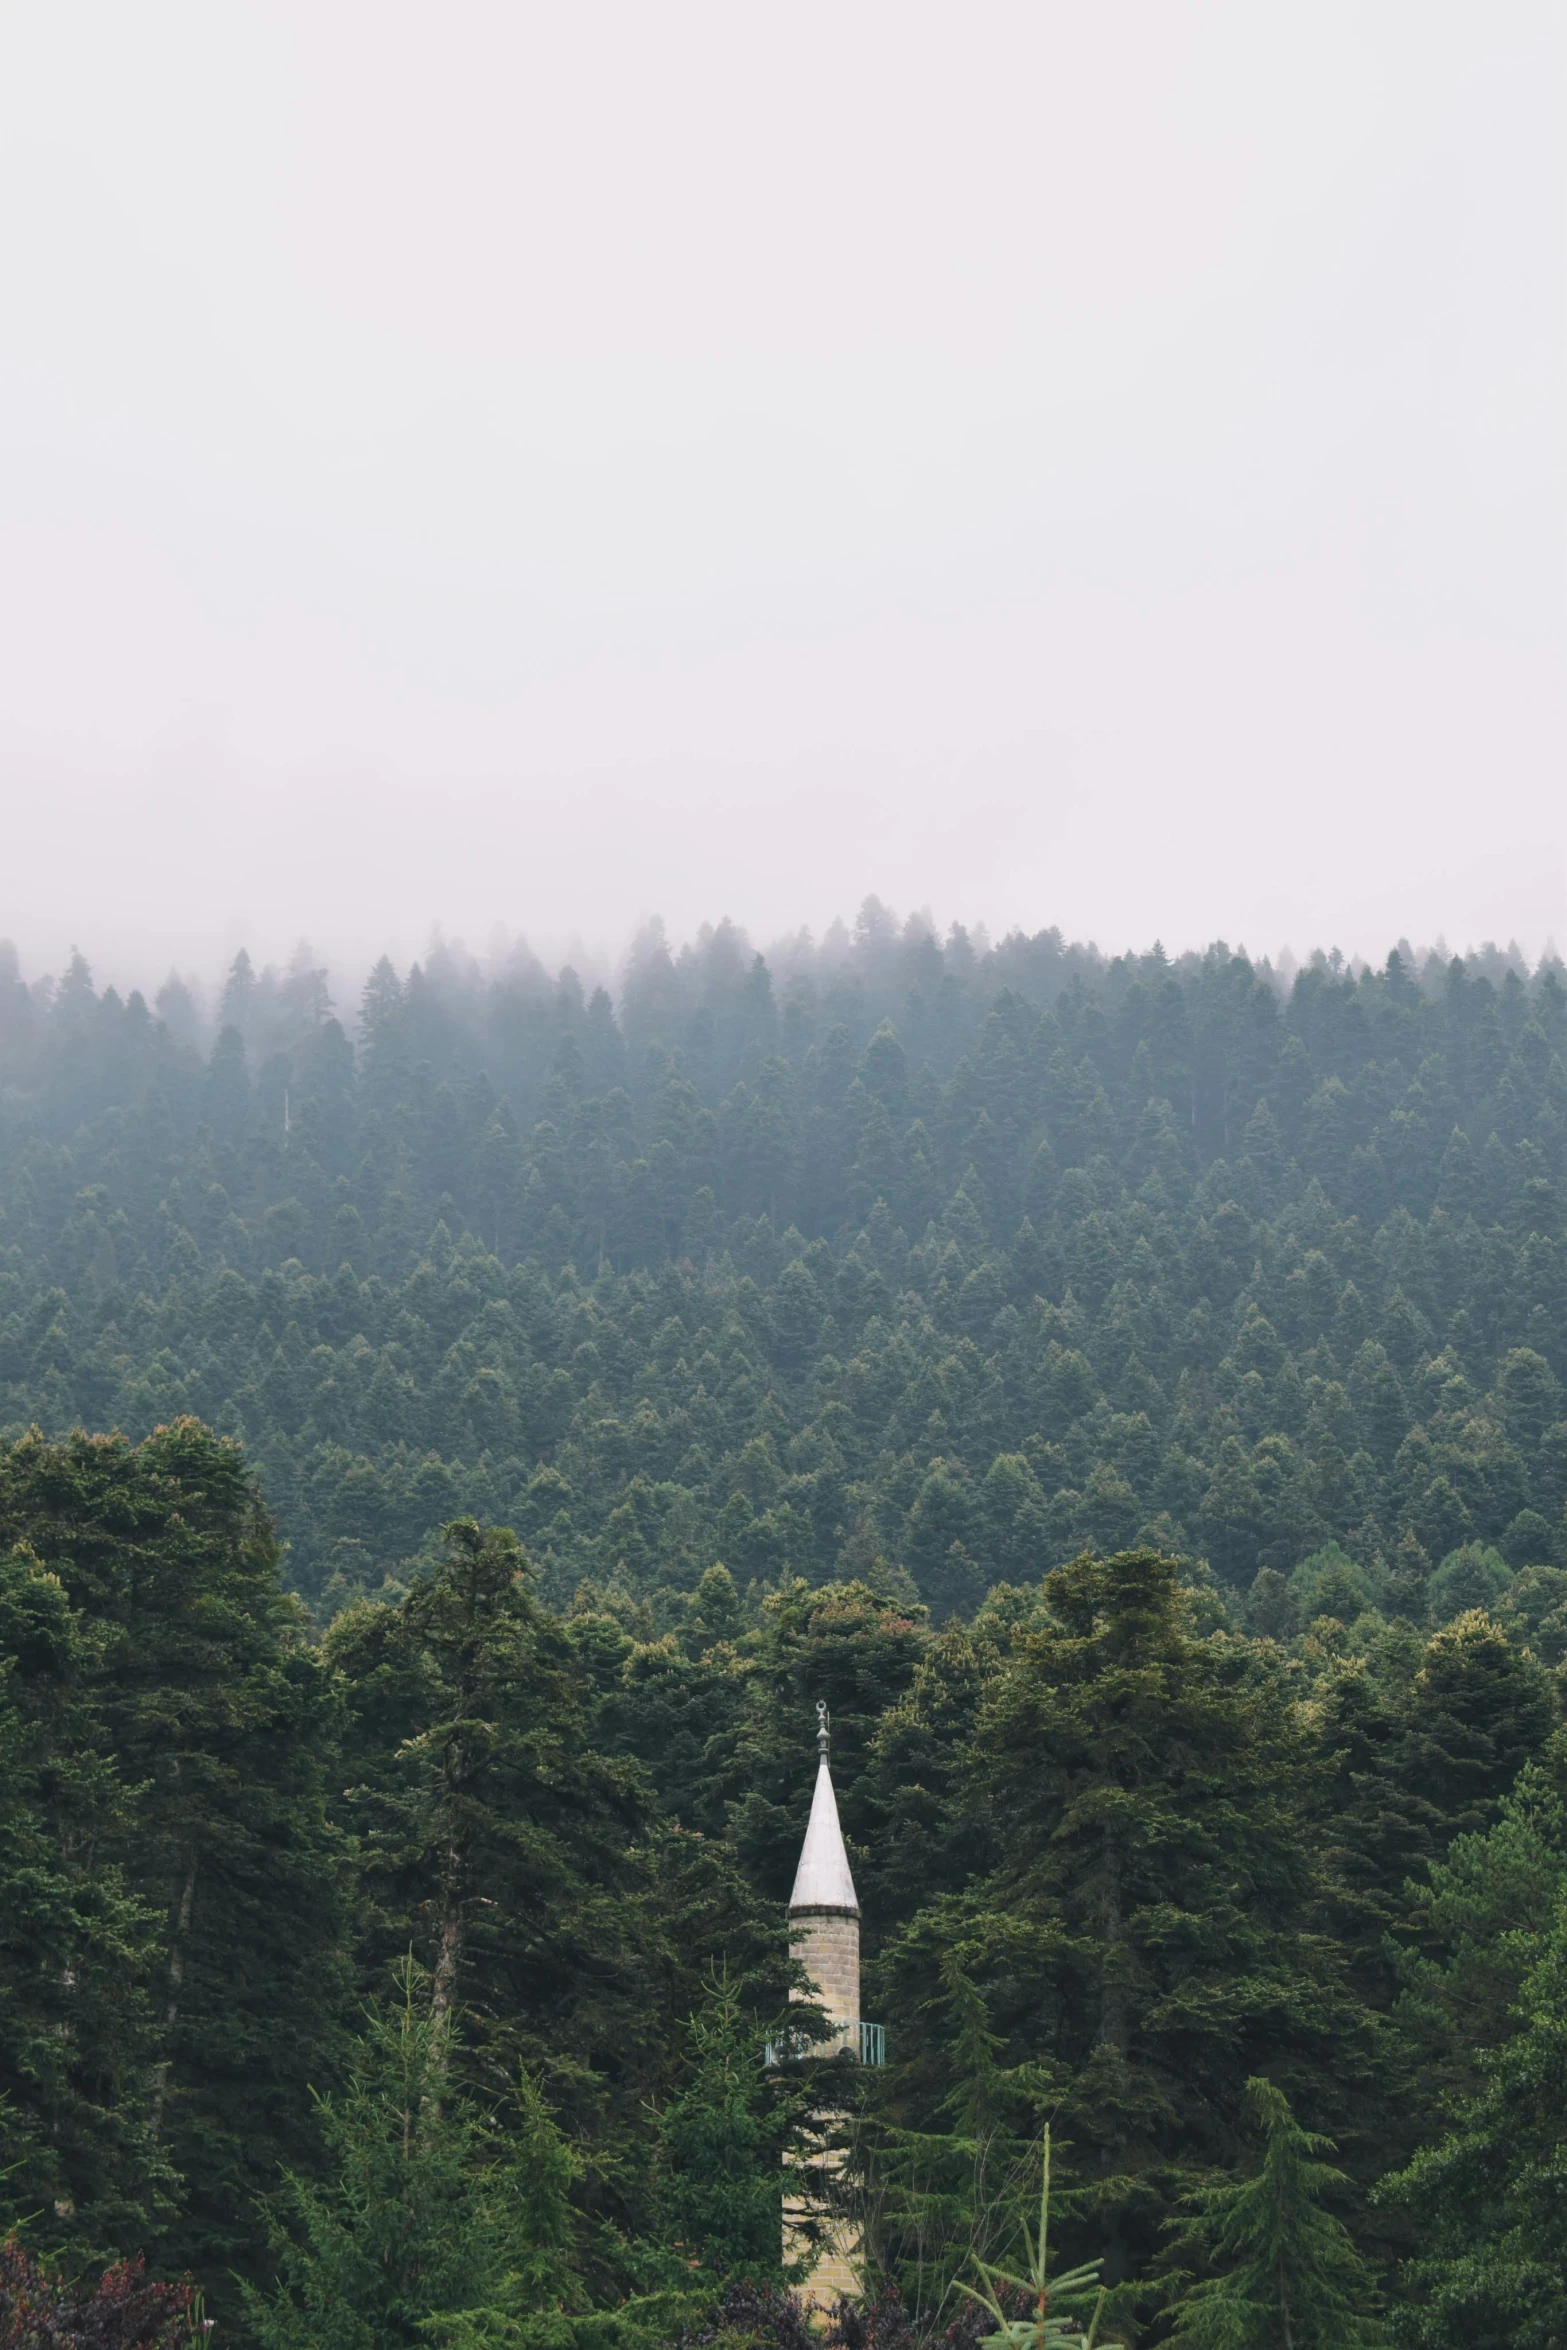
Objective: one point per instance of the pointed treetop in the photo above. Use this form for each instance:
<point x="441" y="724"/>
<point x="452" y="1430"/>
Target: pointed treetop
<point x="822" y="1880"/>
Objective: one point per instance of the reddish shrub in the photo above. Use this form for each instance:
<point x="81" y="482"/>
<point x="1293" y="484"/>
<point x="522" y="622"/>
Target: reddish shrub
<point x="39" y="2312"/>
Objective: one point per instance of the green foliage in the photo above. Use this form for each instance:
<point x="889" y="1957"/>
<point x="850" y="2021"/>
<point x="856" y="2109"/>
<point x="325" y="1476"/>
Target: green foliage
<point x="1474" y="1927"/>
<point x="1478" y="1710"/>
<point x="1470" y="1577"/>
<point x="1331" y="1583"/>
<point x="479" y="1799"/>
<point x="952" y="1261"/>
<point x="722" y="2140"/>
<point x="428" y="2223"/>
<point x="1488" y="2197"/>
<point x="1069" y="1369"/>
<point x="77" y="2041"/>
<point x="1144" y="1936"/>
<point x="205" y="1722"/>
<point x="1050" y="2299"/>
<point x="1535" y="1610"/>
<point x="1283" y="2267"/>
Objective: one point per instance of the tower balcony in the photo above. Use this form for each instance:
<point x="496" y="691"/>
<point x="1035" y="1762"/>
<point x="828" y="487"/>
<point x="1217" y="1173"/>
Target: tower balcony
<point x="866" y="2043"/>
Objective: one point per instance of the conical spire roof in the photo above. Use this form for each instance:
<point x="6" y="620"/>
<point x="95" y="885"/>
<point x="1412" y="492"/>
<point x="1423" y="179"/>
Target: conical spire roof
<point x="822" y="1880"/>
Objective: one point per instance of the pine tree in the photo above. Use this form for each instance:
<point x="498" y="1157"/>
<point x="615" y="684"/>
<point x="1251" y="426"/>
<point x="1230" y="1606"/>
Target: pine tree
<point x="491" y="1825"/>
<point x="1046" y="2302"/>
<point x="1479" y="1709"/>
<point x="1472" y="1930"/>
<point x="1286" y="2273"/>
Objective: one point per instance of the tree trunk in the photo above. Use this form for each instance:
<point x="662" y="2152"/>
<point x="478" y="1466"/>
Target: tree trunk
<point x="448" y="1955"/>
<point x="176" y="1983"/>
<point x="1284" y="2304"/>
<point x="1114" y="2032"/>
<point x="449" y="1943"/>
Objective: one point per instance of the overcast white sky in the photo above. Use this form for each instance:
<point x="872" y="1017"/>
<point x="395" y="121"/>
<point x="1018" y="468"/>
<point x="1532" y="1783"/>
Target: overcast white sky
<point x="545" y="464"/>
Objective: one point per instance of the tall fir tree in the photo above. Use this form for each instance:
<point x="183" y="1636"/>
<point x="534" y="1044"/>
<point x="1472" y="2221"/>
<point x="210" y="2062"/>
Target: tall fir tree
<point x="1488" y="2200"/>
<point x="429" y="2222"/>
<point x="723" y="2140"/>
<point x="78" y="2043"/>
<point x="220" y="1718"/>
<point x="1283" y="2271"/>
<point x="489" y="1823"/>
<point x="1147" y="1935"/>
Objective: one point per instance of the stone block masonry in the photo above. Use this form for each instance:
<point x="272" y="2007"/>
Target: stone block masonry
<point x="827" y="1944"/>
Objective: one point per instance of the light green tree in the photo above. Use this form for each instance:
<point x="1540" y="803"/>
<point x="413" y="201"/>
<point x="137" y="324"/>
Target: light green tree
<point x="1286" y="2273"/>
<point x="431" y="2223"/>
<point x="1053" y="2317"/>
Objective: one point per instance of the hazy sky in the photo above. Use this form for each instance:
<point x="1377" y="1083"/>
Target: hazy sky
<point x="544" y="464"/>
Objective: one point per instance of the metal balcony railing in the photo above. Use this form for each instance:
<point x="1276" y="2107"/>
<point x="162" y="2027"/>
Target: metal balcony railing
<point x="866" y="2043"/>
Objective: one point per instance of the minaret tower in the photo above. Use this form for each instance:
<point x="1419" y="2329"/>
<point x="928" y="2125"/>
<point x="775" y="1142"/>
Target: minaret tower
<point x="824" y="1933"/>
<point x="824" y="1909"/>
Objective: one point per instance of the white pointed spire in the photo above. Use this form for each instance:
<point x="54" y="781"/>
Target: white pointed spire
<point x="822" y="1880"/>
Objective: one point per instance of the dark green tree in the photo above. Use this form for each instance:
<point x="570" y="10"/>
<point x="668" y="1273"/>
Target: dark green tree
<point x="1479" y="1708"/>
<point x="1146" y="1935"/>
<point x="78" y="2044"/>
<point x="217" y="1714"/>
<point x="1489" y="2199"/>
<point x="722" y="2143"/>
<point x="489" y="1823"/>
<point x="1470" y="1931"/>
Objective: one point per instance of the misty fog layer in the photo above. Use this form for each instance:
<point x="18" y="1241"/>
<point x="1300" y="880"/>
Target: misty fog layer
<point x="274" y="1007"/>
<point x="1098" y="466"/>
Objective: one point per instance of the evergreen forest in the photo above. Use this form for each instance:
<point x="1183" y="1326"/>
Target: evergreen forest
<point x="451" y="1441"/>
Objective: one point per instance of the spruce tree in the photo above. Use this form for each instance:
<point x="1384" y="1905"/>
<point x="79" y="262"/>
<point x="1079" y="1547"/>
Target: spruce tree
<point x="1488" y="2201"/>
<point x="1146" y="1935"/>
<point x="722" y="2141"/>
<point x="221" y="1723"/>
<point x="1471" y="1931"/>
<point x="1284" y="2270"/>
<point x="1480" y="1707"/>
<point x="490" y="1825"/>
<point x="428" y="2222"/>
<point x="78" y="2162"/>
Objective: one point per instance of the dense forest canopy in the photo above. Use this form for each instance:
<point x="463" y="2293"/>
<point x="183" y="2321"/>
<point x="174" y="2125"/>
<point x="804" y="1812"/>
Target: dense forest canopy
<point x="448" y="1448"/>
<point x="902" y="1255"/>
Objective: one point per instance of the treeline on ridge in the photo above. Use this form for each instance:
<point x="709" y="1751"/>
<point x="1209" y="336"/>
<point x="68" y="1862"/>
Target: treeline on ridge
<point x="905" y="1259"/>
